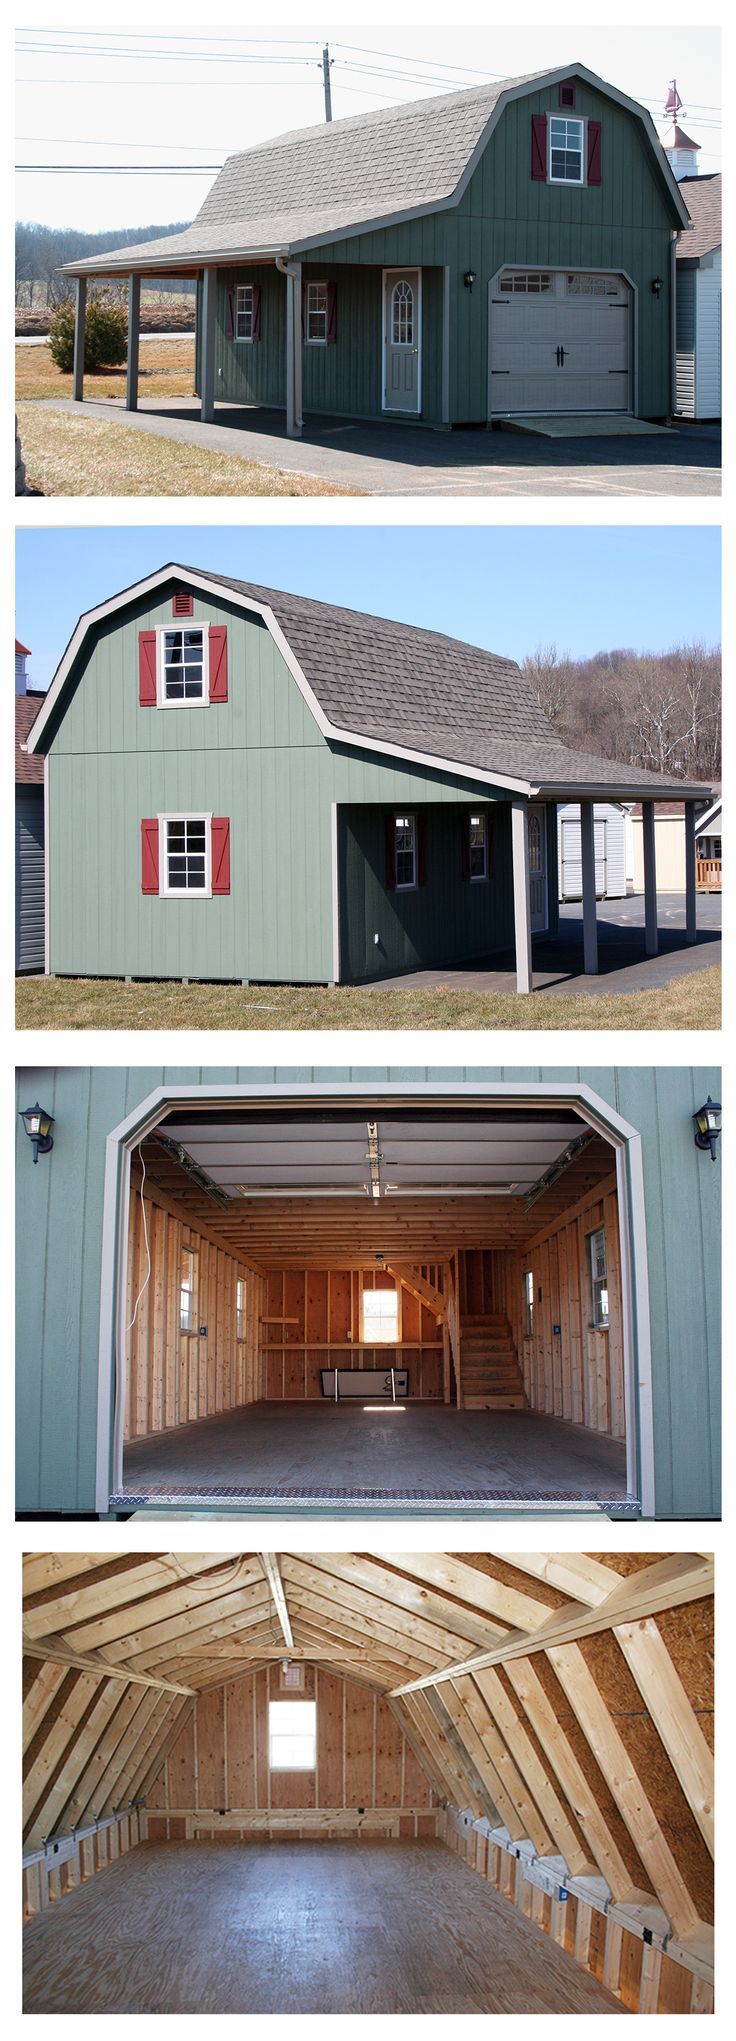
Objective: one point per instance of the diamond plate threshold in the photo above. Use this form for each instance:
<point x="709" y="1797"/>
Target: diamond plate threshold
<point x="365" y="1499"/>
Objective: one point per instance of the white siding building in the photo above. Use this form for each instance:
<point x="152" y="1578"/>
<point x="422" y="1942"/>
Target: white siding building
<point x="609" y="821"/>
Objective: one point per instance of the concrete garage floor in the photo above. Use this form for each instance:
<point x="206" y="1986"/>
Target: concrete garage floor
<point x="621" y="965"/>
<point x="406" y="460"/>
<point x="302" y="1455"/>
<point x="297" y="1927"/>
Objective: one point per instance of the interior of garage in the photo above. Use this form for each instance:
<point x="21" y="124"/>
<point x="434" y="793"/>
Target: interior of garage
<point x="360" y="1304"/>
<point x="377" y="1782"/>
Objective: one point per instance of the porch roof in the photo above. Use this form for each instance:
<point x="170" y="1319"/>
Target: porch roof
<point x="408" y="692"/>
<point x="319" y="183"/>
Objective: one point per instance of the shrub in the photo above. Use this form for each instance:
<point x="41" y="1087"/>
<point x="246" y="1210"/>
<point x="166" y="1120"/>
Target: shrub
<point x="106" y="337"/>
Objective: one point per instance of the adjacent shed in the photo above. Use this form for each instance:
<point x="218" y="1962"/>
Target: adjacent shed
<point x="698" y="326"/>
<point x="609" y="831"/>
<point x="30" y="863"/>
<point x="340" y="1783"/>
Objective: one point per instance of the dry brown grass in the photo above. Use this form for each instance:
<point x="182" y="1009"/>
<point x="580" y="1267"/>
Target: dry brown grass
<point x="68" y="454"/>
<point x="166" y="370"/>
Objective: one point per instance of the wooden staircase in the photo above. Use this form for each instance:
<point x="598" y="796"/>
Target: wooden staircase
<point x="491" y="1377"/>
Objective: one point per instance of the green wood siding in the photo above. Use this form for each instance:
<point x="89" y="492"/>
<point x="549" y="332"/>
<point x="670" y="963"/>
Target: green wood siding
<point x="624" y="224"/>
<point x="59" y="1234"/>
<point x="258" y="758"/>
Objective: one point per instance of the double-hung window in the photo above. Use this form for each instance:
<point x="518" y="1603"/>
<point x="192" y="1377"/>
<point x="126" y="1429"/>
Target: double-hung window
<point x="188" y="1290"/>
<point x="478" y="846"/>
<point x="183" y="674"/>
<point x="380" y="1318"/>
<point x="406" y="851"/>
<point x="186" y="854"/>
<point x="244" y="311"/>
<point x="566" y="150"/>
<point x="292" y="1736"/>
<point x="240" y="1306"/>
<point x="316" y="315"/>
<point x="599" y="1277"/>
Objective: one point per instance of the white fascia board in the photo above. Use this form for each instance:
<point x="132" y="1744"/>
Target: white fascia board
<point x="209" y="585"/>
<point x="621" y="790"/>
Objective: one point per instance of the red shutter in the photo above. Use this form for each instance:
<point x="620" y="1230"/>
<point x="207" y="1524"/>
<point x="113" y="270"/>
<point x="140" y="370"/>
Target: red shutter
<point x="391" y="853"/>
<point x="539" y="147"/>
<point x="256" y="311"/>
<point x="231" y="315"/>
<point x="489" y="842"/>
<point x="594" y="152"/>
<point x="220" y="854"/>
<point x="422" y="850"/>
<point x="147" y="668"/>
<point x="331" y="313"/>
<point x="465" y="841"/>
<point x="218" y="662"/>
<point x="149" y="855"/>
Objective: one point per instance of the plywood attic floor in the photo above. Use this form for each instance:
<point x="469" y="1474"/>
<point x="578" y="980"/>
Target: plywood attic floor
<point x="297" y="1927"/>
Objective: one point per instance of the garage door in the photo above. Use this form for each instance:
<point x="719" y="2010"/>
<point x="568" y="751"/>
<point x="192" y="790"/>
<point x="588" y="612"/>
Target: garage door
<point x="572" y="860"/>
<point x="559" y="341"/>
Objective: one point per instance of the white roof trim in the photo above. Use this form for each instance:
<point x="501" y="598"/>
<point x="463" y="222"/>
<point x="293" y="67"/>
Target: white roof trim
<point x="710" y="815"/>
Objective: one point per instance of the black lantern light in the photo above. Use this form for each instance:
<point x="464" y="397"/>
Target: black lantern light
<point x="469" y="279"/>
<point x="657" y="286"/>
<point x="38" y="1125"/>
<point x="708" y="1126"/>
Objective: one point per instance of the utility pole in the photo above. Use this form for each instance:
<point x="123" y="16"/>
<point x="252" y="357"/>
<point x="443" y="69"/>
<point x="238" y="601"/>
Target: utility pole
<point x="326" y="67"/>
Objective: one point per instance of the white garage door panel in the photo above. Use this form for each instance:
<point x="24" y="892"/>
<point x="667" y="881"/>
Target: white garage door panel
<point x="562" y="349"/>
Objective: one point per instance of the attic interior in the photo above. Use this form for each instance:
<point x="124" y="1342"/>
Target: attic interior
<point x="368" y="1782"/>
<point x="372" y="1302"/>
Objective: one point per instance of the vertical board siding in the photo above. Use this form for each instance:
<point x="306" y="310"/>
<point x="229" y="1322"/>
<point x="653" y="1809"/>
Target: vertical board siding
<point x="447" y="918"/>
<point x="59" y="1209"/>
<point x="312" y="1321"/>
<point x="29" y="879"/>
<point x="217" y="1777"/>
<point x="172" y="1376"/>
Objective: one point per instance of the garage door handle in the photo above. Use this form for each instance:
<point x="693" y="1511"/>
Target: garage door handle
<point x="560" y="357"/>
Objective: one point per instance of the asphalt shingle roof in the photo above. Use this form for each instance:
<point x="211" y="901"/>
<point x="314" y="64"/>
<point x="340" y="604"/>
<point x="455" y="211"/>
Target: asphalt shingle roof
<point x="702" y="197"/>
<point x="28" y="766"/>
<point x="430" y="693"/>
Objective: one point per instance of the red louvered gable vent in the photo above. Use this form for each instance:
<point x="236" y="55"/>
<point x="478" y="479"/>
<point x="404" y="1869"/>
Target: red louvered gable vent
<point x="220" y="854"/>
<point x="182" y="604"/>
<point x="567" y="95"/>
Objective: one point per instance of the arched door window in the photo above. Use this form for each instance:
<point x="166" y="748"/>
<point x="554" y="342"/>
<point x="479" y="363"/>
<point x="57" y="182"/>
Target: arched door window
<point x="402" y="314"/>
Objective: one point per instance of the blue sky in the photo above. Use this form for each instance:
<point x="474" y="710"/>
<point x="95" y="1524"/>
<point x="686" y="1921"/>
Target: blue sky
<point x="585" y="590"/>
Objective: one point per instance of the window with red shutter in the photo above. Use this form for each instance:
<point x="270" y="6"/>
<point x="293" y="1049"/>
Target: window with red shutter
<point x="220" y="854"/>
<point x="149" y="854"/>
<point x="594" y="152"/>
<point x="539" y="147"/>
<point x="147" y="669"/>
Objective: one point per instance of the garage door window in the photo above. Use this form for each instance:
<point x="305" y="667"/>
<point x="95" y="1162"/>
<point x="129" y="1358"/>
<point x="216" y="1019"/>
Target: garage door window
<point x="565" y="151"/>
<point x="582" y="286"/>
<point x="526" y="282"/>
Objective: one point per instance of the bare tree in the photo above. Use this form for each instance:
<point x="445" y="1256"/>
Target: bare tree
<point x="549" y="674"/>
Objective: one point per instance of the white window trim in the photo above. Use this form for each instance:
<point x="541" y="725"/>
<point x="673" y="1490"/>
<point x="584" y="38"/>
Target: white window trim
<point x="407" y="885"/>
<point x="369" y="1290"/>
<point x="183" y="624"/>
<point x="316" y="283"/>
<point x="243" y="339"/>
<point x="564" y="113"/>
<point x="479" y="878"/>
<point x="168" y="892"/>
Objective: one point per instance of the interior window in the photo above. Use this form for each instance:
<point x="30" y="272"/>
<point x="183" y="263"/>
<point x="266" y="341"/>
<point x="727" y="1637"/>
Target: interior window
<point x="292" y="1736"/>
<point x="599" y="1277"/>
<point x="317" y="312"/>
<point x="188" y="1290"/>
<point x="183" y="666"/>
<point x="528" y="1303"/>
<point x="565" y="150"/>
<point x="380" y="1317"/>
<point x="240" y="1306"/>
<point x="186" y="854"/>
<point x="406" y="851"/>
<point x="478" y="846"/>
<point x="244" y="312"/>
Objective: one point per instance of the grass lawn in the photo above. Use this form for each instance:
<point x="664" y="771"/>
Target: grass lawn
<point x="693" y="1001"/>
<point x="166" y="370"/>
<point x="68" y="455"/>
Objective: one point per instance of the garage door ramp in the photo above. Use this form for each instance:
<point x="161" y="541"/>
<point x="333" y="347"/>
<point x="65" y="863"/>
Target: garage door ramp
<point x="583" y="425"/>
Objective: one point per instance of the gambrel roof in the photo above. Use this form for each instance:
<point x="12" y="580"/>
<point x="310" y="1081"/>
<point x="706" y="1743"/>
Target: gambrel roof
<point x="400" y="690"/>
<point x="320" y="183"/>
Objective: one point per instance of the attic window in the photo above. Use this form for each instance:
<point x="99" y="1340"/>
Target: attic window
<point x="292" y="1736"/>
<point x="183" y="666"/>
<point x="565" y="150"/>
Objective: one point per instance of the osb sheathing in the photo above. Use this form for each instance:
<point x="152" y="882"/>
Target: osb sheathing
<point x="512" y="1576"/>
<point x="540" y="1750"/>
<point x="625" y="1563"/>
<point x="591" y="1772"/>
<point x="688" y="1635"/>
<point x="649" y="1759"/>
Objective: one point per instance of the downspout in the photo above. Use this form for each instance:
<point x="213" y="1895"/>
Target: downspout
<point x="293" y="273"/>
<point x="673" y="323"/>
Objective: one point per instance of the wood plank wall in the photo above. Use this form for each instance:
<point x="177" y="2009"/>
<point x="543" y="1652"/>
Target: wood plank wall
<point x="640" y="1975"/>
<point x="173" y="1376"/>
<point x="44" y="1883"/>
<point x="313" y="1322"/>
<point x="216" y="1778"/>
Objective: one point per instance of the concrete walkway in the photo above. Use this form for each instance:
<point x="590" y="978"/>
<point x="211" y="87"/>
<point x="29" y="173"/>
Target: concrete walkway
<point x="622" y="966"/>
<point x="399" y="460"/>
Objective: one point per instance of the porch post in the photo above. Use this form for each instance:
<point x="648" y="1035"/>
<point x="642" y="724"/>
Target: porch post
<point x="134" y="332"/>
<point x="522" y="904"/>
<point x="691" y="930"/>
<point x="80" y="321"/>
<point x="446" y="344"/>
<point x="590" y="911"/>
<point x="294" y="350"/>
<point x="209" y="334"/>
<point x="651" y="940"/>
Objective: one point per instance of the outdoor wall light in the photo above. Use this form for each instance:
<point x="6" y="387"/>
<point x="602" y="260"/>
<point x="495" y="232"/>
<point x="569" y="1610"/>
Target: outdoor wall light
<point x="469" y="279"/>
<point x="708" y="1126"/>
<point x="38" y="1126"/>
<point x="657" y="286"/>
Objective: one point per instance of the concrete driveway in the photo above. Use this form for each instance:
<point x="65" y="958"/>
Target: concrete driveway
<point x="400" y="460"/>
<point x="622" y="966"/>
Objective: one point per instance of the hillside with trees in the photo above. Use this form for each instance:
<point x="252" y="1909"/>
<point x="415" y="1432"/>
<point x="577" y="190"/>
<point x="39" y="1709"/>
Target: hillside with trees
<point x="40" y="251"/>
<point x="661" y="710"/>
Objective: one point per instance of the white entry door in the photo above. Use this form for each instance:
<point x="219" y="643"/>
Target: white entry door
<point x="538" y="870"/>
<point x="559" y="341"/>
<point x="402" y="340"/>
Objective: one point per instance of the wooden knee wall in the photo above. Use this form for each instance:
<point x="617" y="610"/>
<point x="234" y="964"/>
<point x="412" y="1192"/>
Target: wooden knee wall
<point x="45" y="1881"/>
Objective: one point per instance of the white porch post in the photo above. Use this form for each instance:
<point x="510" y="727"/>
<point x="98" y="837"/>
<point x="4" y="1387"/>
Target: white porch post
<point x="294" y="350"/>
<point x="522" y="904"/>
<point x="134" y="334"/>
<point x="590" y="911"/>
<point x="446" y="344"/>
<point x="209" y="335"/>
<point x="691" y="929"/>
<point x="80" y="321"/>
<point x="651" y="939"/>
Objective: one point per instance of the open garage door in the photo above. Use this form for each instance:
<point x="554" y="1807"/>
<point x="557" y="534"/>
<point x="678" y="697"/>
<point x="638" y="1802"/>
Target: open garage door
<point x="375" y="1302"/>
<point x="559" y="341"/>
